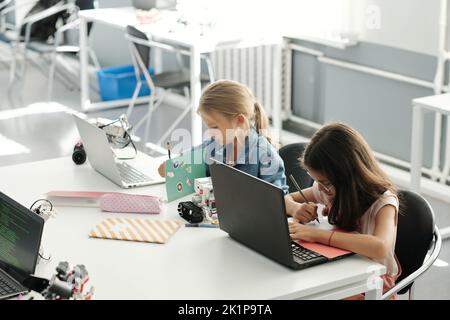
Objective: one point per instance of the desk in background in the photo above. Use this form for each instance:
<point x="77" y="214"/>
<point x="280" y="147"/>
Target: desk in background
<point x="196" y="263"/>
<point x="439" y="104"/>
<point x="197" y="44"/>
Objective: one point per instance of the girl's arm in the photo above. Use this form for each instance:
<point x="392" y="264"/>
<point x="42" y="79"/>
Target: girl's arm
<point x="375" y="246"/>
<point x="298" y="209"/>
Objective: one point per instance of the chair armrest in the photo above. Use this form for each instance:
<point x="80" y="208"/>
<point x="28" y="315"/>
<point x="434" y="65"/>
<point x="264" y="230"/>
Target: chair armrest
<point x="15" y="5"/>
<point x="171" y="48"/>
<point x="156" y="44"/>
<point x="60" y="6"/>
<point x="425" y="266"/>
<point x="7" y="10"/>
<point x="4" y="4"/>
<point x="68" y="26"/>
<point x="29" y="21"/>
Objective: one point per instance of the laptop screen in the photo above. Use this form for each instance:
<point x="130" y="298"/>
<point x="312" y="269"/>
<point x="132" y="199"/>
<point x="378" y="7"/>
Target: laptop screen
<point x="20" y="237"/>
<point x="252" y="211"/>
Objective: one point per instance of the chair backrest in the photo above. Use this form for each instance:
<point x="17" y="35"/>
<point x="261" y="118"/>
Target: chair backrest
<point x="290" y="155"/>
<point x="86" y="5"/>
<point x="44" y="28"/>
<point x="143" y="50"/>
<point x="414" y="233"/>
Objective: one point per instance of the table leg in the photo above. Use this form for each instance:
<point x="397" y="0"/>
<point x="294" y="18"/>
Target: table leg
<point x="416" y="148"/>
<point x="376" y="289"/>
<point x="84" y="76"/>
<point x="276" y="89"/>
<point x="196" y="122"/>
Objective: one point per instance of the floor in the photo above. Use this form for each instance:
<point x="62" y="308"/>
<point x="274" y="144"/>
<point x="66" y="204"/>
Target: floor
<point x="32" y="129"/>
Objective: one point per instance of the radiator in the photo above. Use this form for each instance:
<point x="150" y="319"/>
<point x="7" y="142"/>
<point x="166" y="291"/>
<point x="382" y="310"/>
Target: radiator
<point x="254" y="67"/>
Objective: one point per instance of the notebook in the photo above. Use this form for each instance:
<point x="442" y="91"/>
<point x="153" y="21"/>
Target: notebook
<point x="75" y="198"/>
<point x="139" y="230"/>
<point x="181" y="173"/>
<point x="107" y="201"/>
<point x="324" y="250"/>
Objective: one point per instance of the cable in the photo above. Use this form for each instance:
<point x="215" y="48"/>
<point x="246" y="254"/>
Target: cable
<point x="43" y="258"/>
<point x="126" y="136"/>
<point x="37" y="210"/>
<point x="129" y="141"/>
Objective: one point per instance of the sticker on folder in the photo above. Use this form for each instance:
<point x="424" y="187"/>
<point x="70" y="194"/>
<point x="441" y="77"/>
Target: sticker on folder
<point x="181" y="173"/>
<point x="140" y="230"/>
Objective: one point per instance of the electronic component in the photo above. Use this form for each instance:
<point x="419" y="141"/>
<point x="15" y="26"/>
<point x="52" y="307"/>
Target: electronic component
<point x="68" y="283"/>
<point x="204" y="198"/>
<point x="190" y="212"/>
<point x="79" y="154"/>
<point x="117" y="132"/>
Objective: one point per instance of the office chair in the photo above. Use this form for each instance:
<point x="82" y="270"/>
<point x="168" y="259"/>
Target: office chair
<point x="5" y="29"/>
<point x="26" y="44"/>
<point x="60" y="48"/>
<point x="3" y="5"/>
<point x="20" y="38"/>
<point x="291" y="154"/>
<point x="140" y="46"/>
<point x="416" y="234"/>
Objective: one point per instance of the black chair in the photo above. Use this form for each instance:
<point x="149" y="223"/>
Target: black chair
<point x="415" y="233"/>
<point x="140" y="46"/>
<point x="290" y="155"/>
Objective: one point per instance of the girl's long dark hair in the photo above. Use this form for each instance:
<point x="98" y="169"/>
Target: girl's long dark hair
<point x="341" y="154"/>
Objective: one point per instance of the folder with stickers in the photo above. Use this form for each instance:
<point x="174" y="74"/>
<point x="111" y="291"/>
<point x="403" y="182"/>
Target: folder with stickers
<point x="181" y="173"/>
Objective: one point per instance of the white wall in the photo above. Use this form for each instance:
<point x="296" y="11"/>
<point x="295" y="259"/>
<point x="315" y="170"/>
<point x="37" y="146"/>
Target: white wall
<point x="405" y="24"/>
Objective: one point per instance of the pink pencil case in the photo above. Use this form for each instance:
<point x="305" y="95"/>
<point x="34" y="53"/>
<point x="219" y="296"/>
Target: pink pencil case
<point x="130" y="203"/>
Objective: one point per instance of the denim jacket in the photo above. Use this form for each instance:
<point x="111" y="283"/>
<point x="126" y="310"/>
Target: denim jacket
<point x="258" y="158"/>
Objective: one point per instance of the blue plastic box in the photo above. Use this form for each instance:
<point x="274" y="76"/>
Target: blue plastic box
<point x="117" y="83"/>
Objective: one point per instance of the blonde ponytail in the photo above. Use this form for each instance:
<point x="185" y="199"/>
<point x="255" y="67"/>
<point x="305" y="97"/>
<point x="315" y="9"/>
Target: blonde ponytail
<point x="262" y="122"/>
<point x="231" y="98"/>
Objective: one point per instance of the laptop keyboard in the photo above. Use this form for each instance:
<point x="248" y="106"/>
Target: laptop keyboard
<point x="130" y="174"/>
<point x="9" y="287"/>
<point x="303" y="253"/>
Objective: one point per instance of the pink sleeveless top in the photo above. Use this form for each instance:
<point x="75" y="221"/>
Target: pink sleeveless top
<point x="367" y="226"/>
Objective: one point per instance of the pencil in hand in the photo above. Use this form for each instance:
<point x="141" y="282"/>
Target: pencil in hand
<point x="300" y="191"/>
<point x="168" y="149"/>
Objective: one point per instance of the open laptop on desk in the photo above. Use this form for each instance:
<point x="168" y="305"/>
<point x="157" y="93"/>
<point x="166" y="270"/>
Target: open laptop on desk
<point x="102" y="159"/>
<point x="252" y="211"/>
<point x="20" y="239"/>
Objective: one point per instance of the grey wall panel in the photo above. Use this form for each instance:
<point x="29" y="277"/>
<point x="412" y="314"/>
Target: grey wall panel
<point x="307" y="92"/>
<point x="380" y="108"/>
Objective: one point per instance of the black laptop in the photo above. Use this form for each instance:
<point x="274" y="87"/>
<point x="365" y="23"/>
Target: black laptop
<point x="252" y="211"/>
<point x="20" y="239"/>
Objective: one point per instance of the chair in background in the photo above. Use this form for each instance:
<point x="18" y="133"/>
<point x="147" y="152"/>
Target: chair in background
<point x="21" y="39"/>
<point x="60" y="47"/>
<point x="290" y="155"/>
<point x="140" y="46"/>
<point x="23" y="43"/>
<point x="416" y="234"/>
<point x="5" y="30"/>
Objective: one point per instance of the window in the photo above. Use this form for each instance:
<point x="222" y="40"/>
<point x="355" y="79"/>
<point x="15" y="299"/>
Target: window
<point x="327" y="19"/>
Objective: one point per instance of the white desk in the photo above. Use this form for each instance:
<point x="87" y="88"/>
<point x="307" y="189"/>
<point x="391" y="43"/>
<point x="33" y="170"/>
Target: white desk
<point x="196" y="263"/>
<point x="438" y="104"/>
<point x="197" y="44"/>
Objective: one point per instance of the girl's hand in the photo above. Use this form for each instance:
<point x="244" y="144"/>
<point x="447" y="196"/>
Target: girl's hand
<point x="305" y="212"/>
<point x="162" y="169"/>
<point x="297" y="231"/>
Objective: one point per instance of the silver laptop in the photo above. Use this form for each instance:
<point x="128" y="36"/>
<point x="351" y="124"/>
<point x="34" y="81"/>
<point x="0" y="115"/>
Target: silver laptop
<point x="103" y="159"/>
